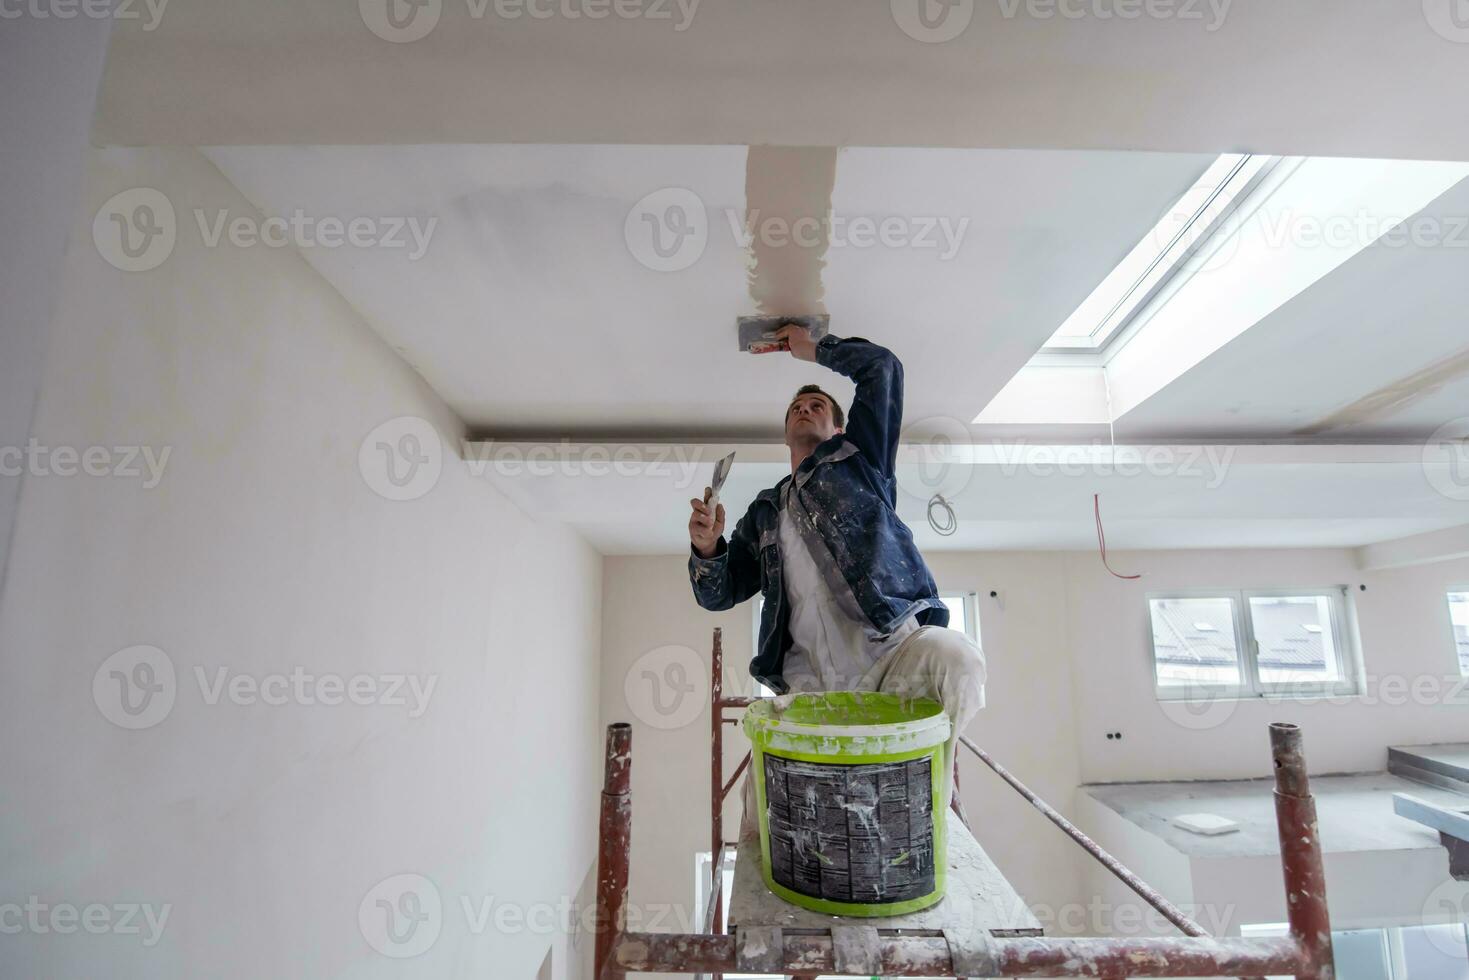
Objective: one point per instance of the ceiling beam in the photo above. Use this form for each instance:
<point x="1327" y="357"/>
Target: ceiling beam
<point x="1417" y="549"/>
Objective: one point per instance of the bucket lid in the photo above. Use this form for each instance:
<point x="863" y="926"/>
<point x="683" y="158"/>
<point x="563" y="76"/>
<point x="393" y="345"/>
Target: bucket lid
<point x="846" y="723"/>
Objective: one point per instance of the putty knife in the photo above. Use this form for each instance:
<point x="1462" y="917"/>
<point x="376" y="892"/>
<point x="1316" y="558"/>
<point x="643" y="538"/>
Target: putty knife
<point x="721" y="473"/>
<point x="757" y="333"/>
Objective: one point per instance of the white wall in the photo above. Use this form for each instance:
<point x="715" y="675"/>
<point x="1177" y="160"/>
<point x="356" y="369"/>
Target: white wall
<point x="49" y="71"/>
<point x="263" y="551"/>
<point x="1068" y="657"/>
<point x="1406" y="639"/>
<point x="652" y="626"/>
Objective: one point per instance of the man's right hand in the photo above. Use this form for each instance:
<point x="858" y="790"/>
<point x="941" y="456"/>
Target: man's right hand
<point x="705" y="527"/>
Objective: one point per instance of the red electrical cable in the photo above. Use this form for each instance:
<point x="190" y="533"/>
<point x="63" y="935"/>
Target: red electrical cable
<point x="1102" y="538"/>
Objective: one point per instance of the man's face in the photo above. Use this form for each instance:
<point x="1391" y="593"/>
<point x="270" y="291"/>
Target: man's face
<point x="809" y="420"/>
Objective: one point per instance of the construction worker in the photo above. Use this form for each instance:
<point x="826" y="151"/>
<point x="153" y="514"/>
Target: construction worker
<point x="849" y="604"/>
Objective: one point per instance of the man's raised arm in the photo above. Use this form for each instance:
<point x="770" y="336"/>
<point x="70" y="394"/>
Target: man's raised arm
<point x="875" y="420"/>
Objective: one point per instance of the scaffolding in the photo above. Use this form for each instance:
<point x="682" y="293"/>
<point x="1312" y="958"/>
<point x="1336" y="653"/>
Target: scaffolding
<point x="807" y="947"/>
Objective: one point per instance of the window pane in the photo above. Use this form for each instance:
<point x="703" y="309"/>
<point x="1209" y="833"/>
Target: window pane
<point x="1194" y="642"/>
<point x="957" y="618"/>
<point x="1361" y="954"/>
<point x="1295" y="639"/>
<point x="1459" y="613"/>
<point x="1434" y="952"/>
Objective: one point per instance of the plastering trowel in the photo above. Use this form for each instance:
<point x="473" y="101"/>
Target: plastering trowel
<point x="757" y="333"/>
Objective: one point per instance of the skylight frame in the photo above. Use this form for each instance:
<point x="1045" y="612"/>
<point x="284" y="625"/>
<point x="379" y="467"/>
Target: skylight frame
<point x="1207" y="209"/>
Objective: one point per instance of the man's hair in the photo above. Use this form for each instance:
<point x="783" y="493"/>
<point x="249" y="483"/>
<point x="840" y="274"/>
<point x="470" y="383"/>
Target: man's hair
<point x="837" y="415"/>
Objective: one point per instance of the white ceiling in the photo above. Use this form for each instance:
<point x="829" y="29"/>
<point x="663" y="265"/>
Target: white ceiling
<point x="1361" y="78"/>
<point x="1386" y="315"/>
<point x="530" y="313"/>
<point x="532" y="316"/>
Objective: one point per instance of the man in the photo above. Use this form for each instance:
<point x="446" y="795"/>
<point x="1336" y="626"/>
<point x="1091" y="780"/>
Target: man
<point x="849" y="604"/>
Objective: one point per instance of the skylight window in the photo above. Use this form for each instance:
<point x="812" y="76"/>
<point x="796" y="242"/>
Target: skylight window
<point x="1162" y="253"/>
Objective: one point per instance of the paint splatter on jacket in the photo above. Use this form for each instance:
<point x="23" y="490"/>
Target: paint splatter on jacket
<point x="848" y="487"/>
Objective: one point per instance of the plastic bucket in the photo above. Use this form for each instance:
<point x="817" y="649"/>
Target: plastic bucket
<point x="848" y="791"/>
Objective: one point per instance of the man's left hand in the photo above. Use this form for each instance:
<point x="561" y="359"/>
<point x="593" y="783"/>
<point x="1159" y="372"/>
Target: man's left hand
<point x="798" y="338"/>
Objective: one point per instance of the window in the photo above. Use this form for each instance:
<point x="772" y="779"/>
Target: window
<point x="1162" y="253"/>
<point x="1252" y="644"/>
<point x="1430" y="952"/>
<point x="1459" y="617"/>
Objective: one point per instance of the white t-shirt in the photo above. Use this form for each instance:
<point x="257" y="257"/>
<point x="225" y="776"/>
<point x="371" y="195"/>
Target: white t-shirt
<point x="832" y="644"/>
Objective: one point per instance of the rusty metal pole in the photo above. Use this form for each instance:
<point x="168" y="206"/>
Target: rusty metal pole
<point x="716" y="781"/>
<point x="1124" y="874"/>
<point x="613" y="853"/>
<point x="1300" y="855"/>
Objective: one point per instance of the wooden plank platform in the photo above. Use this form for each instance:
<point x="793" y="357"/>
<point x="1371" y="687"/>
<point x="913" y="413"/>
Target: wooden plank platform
<point x="977" y="898"/>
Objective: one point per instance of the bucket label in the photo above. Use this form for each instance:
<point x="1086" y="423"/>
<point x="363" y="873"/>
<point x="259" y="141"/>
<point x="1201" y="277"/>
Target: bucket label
<point x="860" y="834"/>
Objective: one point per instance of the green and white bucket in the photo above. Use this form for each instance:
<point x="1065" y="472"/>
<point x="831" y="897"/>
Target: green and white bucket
<point x="848" y="788"/>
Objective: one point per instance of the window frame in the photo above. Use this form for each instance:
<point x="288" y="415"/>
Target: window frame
<point x="1345" y="644"/>
<point x="1448" y="607"/>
